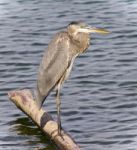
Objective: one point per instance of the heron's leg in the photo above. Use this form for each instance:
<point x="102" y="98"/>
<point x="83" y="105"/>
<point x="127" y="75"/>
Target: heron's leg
<point x="58" y="103"/>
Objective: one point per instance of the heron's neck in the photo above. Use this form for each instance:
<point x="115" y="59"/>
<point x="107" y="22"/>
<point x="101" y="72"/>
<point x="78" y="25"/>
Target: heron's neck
<point x="81" y="41"/>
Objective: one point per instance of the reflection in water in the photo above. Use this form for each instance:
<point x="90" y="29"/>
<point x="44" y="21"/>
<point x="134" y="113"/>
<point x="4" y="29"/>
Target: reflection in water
<point x="24" y="126"/>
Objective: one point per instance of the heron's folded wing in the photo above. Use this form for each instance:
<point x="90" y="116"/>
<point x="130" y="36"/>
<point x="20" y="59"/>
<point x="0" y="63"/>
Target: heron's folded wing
<point x="54" y="63"/>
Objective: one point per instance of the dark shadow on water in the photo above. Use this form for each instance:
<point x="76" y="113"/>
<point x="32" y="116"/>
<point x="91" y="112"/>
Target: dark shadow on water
<point x="25" y="128"/>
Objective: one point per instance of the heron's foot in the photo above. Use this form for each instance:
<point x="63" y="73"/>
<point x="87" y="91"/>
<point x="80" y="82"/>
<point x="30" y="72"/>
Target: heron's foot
<point x="56" y="133"/>
<point x="59" y="131"/>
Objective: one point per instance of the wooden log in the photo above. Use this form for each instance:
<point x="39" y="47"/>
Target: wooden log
<point x="23" y="99"/>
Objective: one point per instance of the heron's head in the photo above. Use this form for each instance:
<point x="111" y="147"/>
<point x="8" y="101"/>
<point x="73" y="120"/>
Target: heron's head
<point x="79" y="27"/>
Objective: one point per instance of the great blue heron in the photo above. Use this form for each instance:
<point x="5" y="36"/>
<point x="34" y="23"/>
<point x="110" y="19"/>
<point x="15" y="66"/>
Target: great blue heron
<point x="58" y="59"/>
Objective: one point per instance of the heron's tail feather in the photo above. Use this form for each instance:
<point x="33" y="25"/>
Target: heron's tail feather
<point x="39" y="98"/>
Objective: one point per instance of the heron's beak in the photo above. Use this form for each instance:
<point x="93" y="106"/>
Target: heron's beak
<point x="98" y="30"/>
<point x="94" y="30"/>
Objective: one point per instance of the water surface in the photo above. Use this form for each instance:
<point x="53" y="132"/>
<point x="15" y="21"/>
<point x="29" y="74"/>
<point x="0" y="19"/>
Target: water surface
<point x="99" y="101"/>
